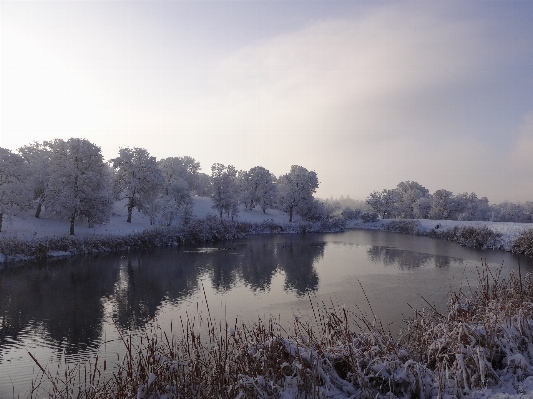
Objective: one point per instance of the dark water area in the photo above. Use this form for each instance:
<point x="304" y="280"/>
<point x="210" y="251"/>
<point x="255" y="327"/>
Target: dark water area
<point x="69" y="310"/>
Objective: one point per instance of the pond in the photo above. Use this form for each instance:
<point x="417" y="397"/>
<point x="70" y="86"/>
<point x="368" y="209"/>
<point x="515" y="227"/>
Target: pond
<point x="68" y="310"/>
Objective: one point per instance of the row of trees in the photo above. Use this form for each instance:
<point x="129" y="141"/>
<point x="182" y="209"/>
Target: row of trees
<point x="410" y="200"/>
<point x="72" y="181"/>
<point x="291" y="192"/>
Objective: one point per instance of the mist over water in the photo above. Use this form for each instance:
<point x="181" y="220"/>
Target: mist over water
<point x="68" y="310"/>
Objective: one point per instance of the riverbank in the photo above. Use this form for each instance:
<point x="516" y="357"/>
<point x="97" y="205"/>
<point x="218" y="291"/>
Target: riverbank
<point x="481" y="348"/>
<point x="503" y="236"/>
<point x="28" y="238"/>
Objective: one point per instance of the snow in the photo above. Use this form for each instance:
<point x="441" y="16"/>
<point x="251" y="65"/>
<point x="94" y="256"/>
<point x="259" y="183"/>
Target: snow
<point x="30" y="227"/>
<point x="509" y="231"/>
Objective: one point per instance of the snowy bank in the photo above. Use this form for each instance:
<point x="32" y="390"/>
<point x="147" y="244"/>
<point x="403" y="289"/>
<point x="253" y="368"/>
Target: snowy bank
<point x="30" y="238"/>
<point x="480" y="234"/>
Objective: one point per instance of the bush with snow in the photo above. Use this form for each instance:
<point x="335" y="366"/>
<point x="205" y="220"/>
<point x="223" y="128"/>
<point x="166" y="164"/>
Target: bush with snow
<point x="402" y="226"/>
<point x="368" y="217"/>
<point x="470" y="236"/>
<point x="523" y="243"/>
<point x="350" y="213"/>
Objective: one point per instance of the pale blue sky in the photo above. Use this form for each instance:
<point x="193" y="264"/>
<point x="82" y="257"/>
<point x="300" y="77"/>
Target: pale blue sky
<point x="367" y="94"/>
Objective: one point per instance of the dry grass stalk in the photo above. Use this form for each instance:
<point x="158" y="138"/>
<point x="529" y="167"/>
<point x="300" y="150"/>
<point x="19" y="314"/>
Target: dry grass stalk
<point x="485" y="339"/>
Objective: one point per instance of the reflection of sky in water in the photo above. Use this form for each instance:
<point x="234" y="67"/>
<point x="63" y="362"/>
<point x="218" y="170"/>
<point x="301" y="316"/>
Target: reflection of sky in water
<point x="68" y="308"/>
<point x="405" y="260"/>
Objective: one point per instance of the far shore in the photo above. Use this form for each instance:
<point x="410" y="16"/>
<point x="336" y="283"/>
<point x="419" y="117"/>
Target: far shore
<point x="29" y="238"/>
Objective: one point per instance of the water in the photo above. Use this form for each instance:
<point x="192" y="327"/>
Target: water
<point x="67" y="311"/>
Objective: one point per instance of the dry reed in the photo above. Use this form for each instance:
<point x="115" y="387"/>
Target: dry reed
<point x="484" y="340"/>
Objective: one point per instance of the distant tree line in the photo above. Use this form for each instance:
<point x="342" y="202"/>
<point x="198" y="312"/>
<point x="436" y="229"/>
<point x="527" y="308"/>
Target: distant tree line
<point x="71" y="181"/>
<point x="410" y="200"/>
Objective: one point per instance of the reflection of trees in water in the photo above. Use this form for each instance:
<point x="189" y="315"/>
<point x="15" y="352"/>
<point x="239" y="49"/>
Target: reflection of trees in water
<point x="64" y="296"/>
<point x="256" y="261"/>
<point x="296" y="258"/>
<point x="404" y="260"/>
<point x="258" y="265"/>
<point x="223" y="268"/>
<point x="145" y="280"/>
<point x="397" y="257"/>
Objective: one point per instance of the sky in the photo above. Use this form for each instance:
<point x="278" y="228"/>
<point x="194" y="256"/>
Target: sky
<point x="366" y="94"/>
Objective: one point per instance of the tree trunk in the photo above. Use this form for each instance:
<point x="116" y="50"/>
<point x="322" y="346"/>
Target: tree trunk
<point x="72" y="219"/>
<point x="130" y="209"/>
<point x="38" y="211"/>
<point x="1" y="217"/>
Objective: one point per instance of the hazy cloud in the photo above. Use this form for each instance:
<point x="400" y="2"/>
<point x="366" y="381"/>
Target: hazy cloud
<point x="366" y="95"/>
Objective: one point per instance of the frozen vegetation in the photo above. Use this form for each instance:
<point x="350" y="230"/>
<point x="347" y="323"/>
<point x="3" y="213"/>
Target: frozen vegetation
<point x="482" y="347"/>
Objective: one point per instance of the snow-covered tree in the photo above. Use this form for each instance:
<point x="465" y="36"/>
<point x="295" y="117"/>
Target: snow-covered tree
<point x="385" y="203"/>
<point x="137" y="179"/>
<point x="205" y="185"/>
<point x="512" y="212"/>
<point x="190" y="172"/>
<point x="296" y="189"/>
<point x="175" y="201"/>
<point x="79" y="182"/>
<point x="225" y="189"/>
<point x="401" y="201"/>
<point x="257" y="187"/>
<point x="470" y="207"/>
<point x="15" y="195"/>
<point x="246" y="192"/>
<point x="442" y="205"/>
<point x="409" y="192"/>
<point x="37" y="156"/>
<point x="422" y="207"/>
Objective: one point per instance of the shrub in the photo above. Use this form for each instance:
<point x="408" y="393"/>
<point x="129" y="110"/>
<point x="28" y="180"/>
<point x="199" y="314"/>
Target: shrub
<point x="367" y="217"/>
<point x="350" y="213"/>
<point x="469" y="236"/>
<point x="524" y="243"/>
<point x="402" y="226"/>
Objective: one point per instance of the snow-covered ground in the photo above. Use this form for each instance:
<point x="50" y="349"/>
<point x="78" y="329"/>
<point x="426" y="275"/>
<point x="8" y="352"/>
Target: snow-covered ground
<point x="509" y="231"/>
<point x="31" y="227"/>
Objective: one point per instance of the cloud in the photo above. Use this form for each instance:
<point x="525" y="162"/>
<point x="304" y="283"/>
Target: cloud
<point x="521" y="157"/>
<point x="395" y="72"/>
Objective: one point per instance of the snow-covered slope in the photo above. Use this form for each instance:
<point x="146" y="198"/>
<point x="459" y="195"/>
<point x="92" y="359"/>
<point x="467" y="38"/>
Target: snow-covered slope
<point x="30" y="227"/>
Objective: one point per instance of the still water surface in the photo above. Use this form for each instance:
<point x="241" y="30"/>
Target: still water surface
<point x="69" y="310"/>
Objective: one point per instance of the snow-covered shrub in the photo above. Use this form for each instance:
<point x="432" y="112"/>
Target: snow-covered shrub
<point x="524" y="243"/>
<point x="367" y="217"/>
<point x="402" y="226"/>
<point x="470" y="236"/>
<point x="350" y="213"/>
